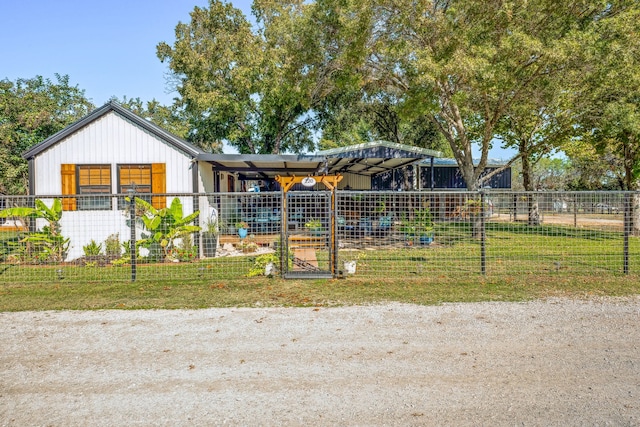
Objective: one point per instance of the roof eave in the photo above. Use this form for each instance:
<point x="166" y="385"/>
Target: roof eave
<point x="177" y="142"/>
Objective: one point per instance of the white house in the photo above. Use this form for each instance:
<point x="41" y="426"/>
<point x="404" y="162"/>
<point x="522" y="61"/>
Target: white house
<point x="112" y="151"/>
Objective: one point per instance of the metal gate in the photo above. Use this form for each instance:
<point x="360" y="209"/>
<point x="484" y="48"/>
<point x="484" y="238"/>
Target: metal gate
<point x="308" y="235"/>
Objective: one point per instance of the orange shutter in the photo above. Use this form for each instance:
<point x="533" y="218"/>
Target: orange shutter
<point x="158" y="185"/>
<point x="68" y="172"/>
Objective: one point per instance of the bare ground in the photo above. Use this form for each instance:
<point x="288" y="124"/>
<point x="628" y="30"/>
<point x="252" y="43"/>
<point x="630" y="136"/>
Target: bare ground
<point x="554" y="362"/>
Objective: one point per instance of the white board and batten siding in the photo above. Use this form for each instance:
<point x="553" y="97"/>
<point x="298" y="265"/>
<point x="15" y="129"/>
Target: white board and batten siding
<point x="112" y="140"/>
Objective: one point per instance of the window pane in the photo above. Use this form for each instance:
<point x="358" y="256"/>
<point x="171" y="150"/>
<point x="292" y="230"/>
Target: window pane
<point x="94" y="179"/>
<point x="136" y="178"/>
<point x="94" y="203"/>
<point x="139" y="175"/>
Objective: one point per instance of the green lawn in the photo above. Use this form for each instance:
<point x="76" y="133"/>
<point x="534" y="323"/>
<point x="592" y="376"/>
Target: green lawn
<point x="521" y="263"/>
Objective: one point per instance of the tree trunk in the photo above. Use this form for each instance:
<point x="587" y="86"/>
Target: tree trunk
<point x="527" y="182"/>
<point x="532" y="207"/>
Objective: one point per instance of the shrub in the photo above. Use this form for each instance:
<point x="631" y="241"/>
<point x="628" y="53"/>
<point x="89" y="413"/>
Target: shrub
<point x="92" y="249"/>
<point x="112" y="246"/>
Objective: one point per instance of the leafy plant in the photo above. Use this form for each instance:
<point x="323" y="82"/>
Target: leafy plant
<point x="315" y="227"/>
<point x="421" y="225"/>
<point x="313" y="224"/>
<point x="92" y="249"/>
<point x="126" y="249"/>
<point x="247" y="246"/>
<point x="261" y="261"/>
<point x="46" y="244"/>
<point x="210" y="238"/>
<point x="211" y="226"/>
<point x="164" y="226"/>
<point x="112" y="246"/>
<point x="184" y="251"/>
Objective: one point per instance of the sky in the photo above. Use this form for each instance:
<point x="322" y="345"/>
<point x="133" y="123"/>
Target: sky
<point x="107" y="48"/>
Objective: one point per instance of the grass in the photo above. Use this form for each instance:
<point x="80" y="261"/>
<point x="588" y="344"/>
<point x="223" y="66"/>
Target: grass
<point x="523" y="263"/>
<point x="173" y="293"/>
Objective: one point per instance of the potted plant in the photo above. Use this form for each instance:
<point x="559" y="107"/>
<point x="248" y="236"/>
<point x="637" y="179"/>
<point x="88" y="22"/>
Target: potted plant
<point x="419" y="229"/>
<point x="210" y="238"/>
<point x="243" y="229"/>
<point x="314" y="226"/>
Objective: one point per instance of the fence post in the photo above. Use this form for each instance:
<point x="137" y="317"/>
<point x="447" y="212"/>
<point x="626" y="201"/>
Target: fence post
<point x="575" y="210"/>
<point x="483" y="236"/>
<point x="627" y="229"/>
<point x="132" y="240"/>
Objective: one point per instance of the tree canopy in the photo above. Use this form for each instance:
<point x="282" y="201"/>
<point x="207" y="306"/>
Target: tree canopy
<point x="239" y="84"/>
<point x="31" y="110"/>
<point x="610" y="102"/>
<point x="458" y="76"/>
<point x="467" y="73"/>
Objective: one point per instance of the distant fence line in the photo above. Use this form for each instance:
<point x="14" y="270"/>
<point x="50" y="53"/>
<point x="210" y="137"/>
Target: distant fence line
<point x="377" y="234"/>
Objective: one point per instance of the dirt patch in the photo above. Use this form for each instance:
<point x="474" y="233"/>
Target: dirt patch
<point x="615" y="223"/>
<point x="554" y="362"/>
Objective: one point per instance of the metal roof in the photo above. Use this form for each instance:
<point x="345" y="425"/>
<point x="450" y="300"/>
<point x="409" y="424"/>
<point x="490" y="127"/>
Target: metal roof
<point x="267" y="165"/>
<point x="363" y="159"/>
<point x="381" y="149"/>
<point x="375" y="157"/>
<point x="171" y="139"/>
<point x="453" y="163"/>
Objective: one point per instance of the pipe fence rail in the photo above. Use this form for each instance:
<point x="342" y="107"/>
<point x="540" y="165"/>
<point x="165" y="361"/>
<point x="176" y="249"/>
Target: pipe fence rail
<point x="218" y="236"/>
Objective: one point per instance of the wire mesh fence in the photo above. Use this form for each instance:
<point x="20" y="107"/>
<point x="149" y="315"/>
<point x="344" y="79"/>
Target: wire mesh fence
<point x="205" y="237"/>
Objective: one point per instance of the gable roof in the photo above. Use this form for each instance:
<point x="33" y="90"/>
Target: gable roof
<point x="112" y="106"/>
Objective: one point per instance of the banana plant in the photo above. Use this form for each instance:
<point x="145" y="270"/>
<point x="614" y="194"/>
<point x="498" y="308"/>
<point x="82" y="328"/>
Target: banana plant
<point x="164" y="226"/>
<point x="46" y="244"/>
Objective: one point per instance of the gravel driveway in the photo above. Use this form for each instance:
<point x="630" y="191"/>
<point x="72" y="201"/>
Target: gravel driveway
<point x="555" y="362"/>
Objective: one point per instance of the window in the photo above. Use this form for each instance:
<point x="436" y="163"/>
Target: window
<point x="136" y="178"/>
<point x="144" y="180"/>
<point x="96" y="179"/>
<point x="92" y="181"/>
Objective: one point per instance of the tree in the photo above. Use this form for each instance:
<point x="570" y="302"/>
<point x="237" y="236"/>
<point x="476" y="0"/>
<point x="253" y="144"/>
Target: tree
<point x="172" y="118"/>
<point x="611" y="118"/>
<point x="31" y="110"/>
<point x="381" y="118"/>
<point x="550" y="174"/>
<point x="462" y="64"/>
<point x="593" y="170"/>
<point x="242" y="85"/>
<point x="169" y="118"/>
<point x="611" y="121"/>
